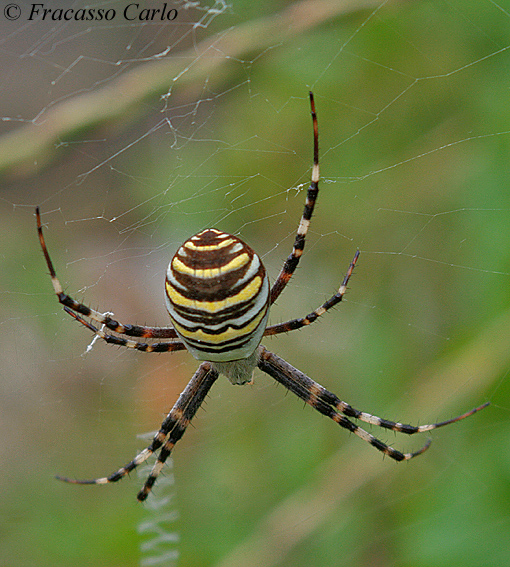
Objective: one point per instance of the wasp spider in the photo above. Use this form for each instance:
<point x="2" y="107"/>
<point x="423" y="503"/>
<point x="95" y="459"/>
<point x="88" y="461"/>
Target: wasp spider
<point x="218" y="297"/>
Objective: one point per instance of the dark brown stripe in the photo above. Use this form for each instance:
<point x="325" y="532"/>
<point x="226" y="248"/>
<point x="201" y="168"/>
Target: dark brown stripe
<point x="217" y="288"/>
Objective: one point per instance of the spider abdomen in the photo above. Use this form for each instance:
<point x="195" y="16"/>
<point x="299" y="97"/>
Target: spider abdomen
<point x="217" y="296"/>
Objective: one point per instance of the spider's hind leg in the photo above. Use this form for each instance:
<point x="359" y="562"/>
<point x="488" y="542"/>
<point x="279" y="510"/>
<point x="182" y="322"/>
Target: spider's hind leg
<point x="292" y="261"/>
<point x="102" y="318"/>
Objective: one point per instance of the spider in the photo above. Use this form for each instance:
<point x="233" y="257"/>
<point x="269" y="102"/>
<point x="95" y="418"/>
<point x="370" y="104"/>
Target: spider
<point x="218" y="297"/>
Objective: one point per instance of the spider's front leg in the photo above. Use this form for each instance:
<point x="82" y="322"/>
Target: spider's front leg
<point x="172" y="429"/>
<point x="331" y="406"/>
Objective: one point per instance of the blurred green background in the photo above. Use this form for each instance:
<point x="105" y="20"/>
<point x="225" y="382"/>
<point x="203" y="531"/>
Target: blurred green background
<point x="129" y="153"/>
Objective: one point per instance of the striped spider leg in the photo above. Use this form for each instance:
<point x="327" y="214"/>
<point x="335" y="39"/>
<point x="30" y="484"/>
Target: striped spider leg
<point x="101" y="318"/>
<point x="218" y="297"/>
<point x="299" y="242"/>
<point x="331" y="406"/>
<point x="171" y="430"/>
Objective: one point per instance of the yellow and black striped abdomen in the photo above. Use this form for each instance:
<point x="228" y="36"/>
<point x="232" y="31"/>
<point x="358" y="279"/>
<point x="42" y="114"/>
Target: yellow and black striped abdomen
<point x="217" y="295"/>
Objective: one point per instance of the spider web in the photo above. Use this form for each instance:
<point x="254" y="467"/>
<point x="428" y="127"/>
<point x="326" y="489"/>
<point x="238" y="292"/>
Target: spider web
<point x="131" y="135"/>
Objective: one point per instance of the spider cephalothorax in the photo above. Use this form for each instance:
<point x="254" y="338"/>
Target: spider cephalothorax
<point x="218" y="298"/>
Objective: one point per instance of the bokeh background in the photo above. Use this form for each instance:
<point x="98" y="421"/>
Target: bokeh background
<point x="131" y="136"/>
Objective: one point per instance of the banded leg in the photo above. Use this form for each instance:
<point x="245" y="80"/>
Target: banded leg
<point x="349" y="411"/>
<point x="310" y="318"/>
<point x="311" y="196"/>
<point x="185" y="409"/>
<point x="172" y="429"/>
<point x="331" y="406"/>
<point x="103" y="319"/>
<point x="171" y="346"/>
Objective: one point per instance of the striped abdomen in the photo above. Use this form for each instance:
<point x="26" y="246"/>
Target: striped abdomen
<point x="217" y="295"/>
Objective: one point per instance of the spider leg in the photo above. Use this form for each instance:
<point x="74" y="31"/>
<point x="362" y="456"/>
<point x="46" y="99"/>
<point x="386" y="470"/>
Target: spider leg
<point x="191" y="399"/>
<point x="121" y="341"/>
<point x="103" y="319"/>
<point x="329" y="405"/>
<point x="172" y="429"/>
<point x="311" y="196"/>
<point x="314" y="315"/>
